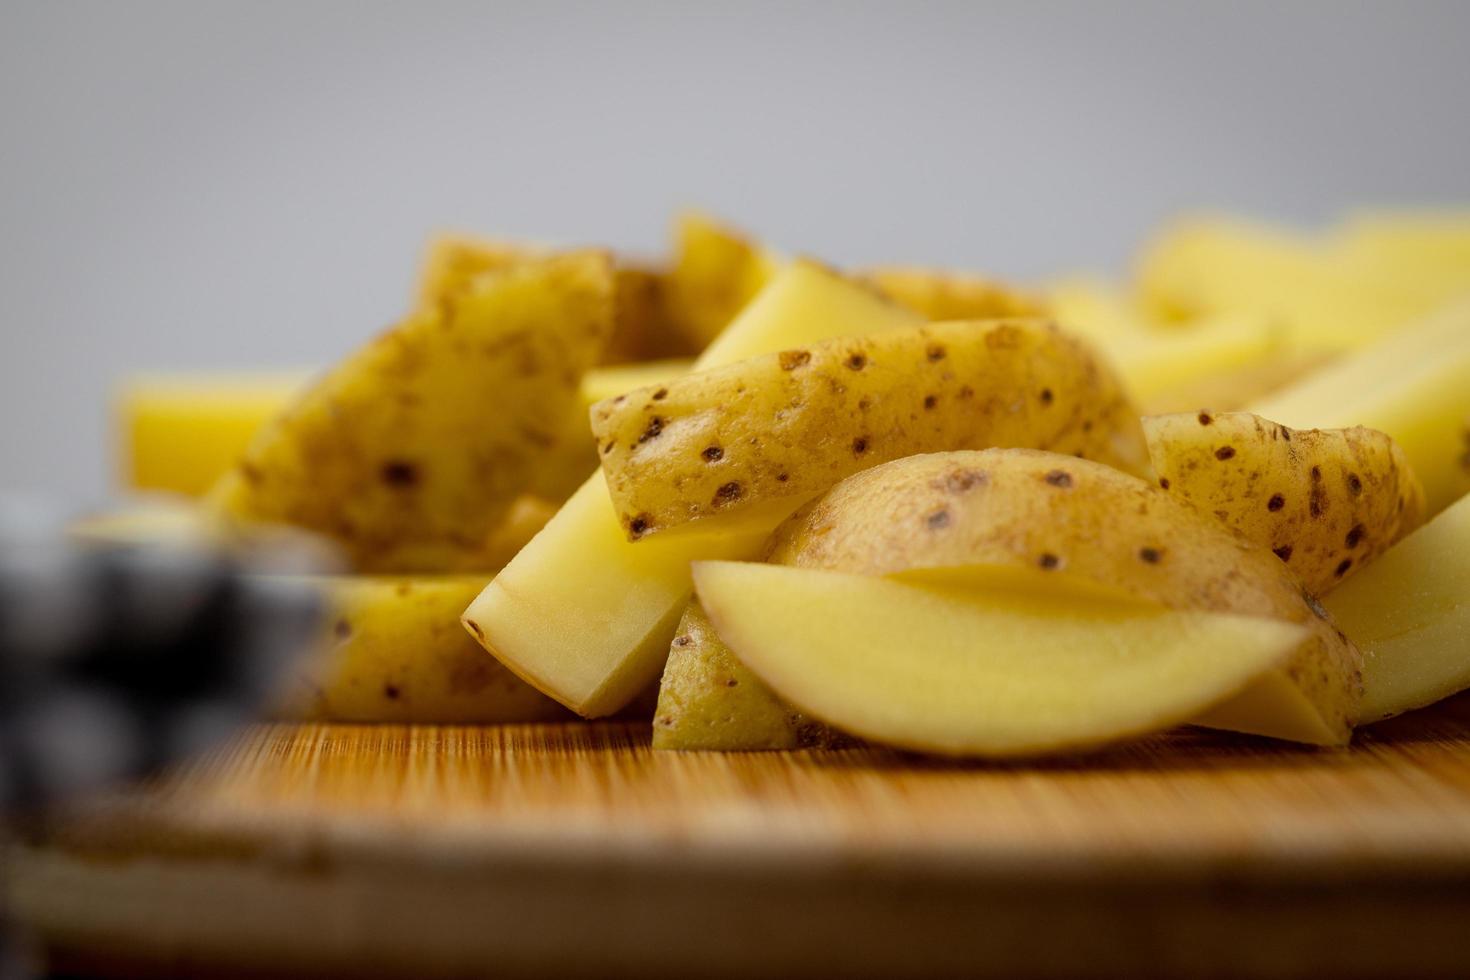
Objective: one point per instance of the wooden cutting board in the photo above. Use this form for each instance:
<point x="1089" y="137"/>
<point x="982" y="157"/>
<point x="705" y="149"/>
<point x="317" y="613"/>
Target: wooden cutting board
<point x="576" y="849"/>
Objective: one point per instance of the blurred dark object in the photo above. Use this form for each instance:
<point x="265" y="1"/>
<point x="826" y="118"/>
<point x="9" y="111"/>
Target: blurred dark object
<point x="120" y="656"/>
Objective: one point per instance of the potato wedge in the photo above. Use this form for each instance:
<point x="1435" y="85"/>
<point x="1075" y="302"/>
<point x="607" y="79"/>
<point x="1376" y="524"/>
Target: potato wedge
<point x="715" y="272"/>
<point x="1410" y="615"/>
<point x="410" y="452"/>
<point x="1326" y="502"/>
<point x="641" y="328"/>
<point x="393" y="651"/>
<point x="794" y="423"/>
<point x="586" y="615"/>
<point x="1413" y="384"/>
<point x="1022" y="667"/>
<point x="708" y="699"/>
<point x="1039" y="509"/>
<point x="944" y="295"/>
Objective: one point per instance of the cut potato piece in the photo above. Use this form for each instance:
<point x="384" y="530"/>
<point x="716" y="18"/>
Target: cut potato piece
<point x="181" y="433"/>
<point x="1413" y="385"/>
<point x="410" y="452"/>
<point x="586" y="615"/>
<point x="1424" y="253"/>
<point x="1410" y="615"/>
<point x="640" y="322"/>
<point x="716" y="271"/>
<point x="393" y="650"/>
<point x="944" y="295"/>
<point x="792" y="424"/>
<point x="1034" y="509"/>
<point x="978" y="672"/>
<point x="1326" y="502"/>
<point x="708" y="699"/>
<point x="1205" y="265"/>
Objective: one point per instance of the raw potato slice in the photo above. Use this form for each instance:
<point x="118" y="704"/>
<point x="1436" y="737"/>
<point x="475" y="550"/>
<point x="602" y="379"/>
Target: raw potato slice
<point x="640" y="325"/>
<point x="708" y="699"/>
<point x="393" y="650"/>
<point x="1414" y="385"/>
<point x="716" y="271"/>
<point x="410" y="452"/>
<point x="942" y="295"/>
<point x="1018" y="506"/>
<point x="1327" y="502"/>
<point x="586" y="615"/>
<point x="794" y="423"/>
<point x="181" y="433"/>
<point x="982" y="672"/>
<point x="1410" y="615"/>
<point x="1424" y="253"/>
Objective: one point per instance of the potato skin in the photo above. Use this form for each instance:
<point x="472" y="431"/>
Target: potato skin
<point x="797" y="422"/>
<point x="1051" y="511"/>
<point x="708" y="699"/>
<point x="1325" y="501"/>
<point x="409" y="453"/>
<point x="943" y="295"/>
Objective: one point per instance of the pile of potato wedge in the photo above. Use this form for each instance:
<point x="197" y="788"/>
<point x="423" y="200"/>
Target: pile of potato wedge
<point x="771" y="505"/>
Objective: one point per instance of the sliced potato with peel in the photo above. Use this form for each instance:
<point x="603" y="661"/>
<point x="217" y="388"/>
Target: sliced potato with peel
<point x="1024" y="667"/>
<point x="1409" y="613"/>
<point x="1325" y="501"/>
<point x="793" y="423"/>
<point x="410" y="452"/>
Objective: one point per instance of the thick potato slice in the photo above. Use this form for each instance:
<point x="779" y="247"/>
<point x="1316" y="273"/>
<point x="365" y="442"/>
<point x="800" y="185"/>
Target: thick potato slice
<point x="393" y="650"/>
<point x="794" y="423"/>
<point x="410" y="452"/>
<point x="641" y="328"/>
<point x="1204" y="265"/>
<point x="1031" y="508"/>
<point x="181" y="433"/>
<point x="715" y="272"/>
<point x="586" y="615"/>
<point x="944" y="295"/>
<point x="1325" y="501"/>
<point x="1413" y="385"/>
<point x="1410" y="615"/>
<point x="708" y="699"/>
<point x="1019" y="667"/>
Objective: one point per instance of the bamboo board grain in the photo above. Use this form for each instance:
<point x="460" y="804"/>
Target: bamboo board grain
<point x="576" y="848"/>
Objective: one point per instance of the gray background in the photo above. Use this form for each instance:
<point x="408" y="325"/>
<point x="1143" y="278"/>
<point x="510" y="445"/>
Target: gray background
<point x="222" y="185"/>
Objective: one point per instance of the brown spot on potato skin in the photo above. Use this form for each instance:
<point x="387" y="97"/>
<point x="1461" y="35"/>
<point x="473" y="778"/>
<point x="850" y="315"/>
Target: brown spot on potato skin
<point x="793" y="359"/>
<point x="1163" y="482"/>
<point x="1046" y="396"/>
<point x="782" y="477"/>
<point x="1048" y="561"/>
<point x="1150" y="555"/>
<point x="399" y="474"/>
<point x="857" y="362"/>
<point x="728" y="493"/>
<point x="1276" y="502"/>
<point x="683" y="641"/>
<point x="1224" y="453"/>
<point x="1355" y="535"/>
<point x="1355" y="484"/>
<point x="937" y="520"/>
<point x="960" y="481"/>
<point x="935" y="353"/>
<point x="1283" y="552"/>
<point x="639" y="526"/>
<point x="930" y="401"/>
<point x="655" y="426"/>
<point x="1205" y="418"/>
<point x="391" y="692"/>
<point x="1059" y="478"/>
<point x="712" y="454"/>
<point x="608" y="447"/>
<point x="859" y="445"/>
<point x="661" y="394"/>
<point x="1342" y="567"/>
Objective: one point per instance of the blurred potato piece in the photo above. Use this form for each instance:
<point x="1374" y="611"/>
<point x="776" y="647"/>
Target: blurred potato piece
<point x="945" y="295"/>
<point x="1326" y="502"/>
<point x="410" y="452"/>
<point x="715" y="271"/>
<point x="392" y="650"/>
<point x="641" y="329"/>
<point x="794" y="423"/>
<point x="1424" y="254"/>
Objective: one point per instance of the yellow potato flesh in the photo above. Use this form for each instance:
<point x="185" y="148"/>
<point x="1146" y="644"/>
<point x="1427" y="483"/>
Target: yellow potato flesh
<point x="1020" y="670"/>
<point x="1409" y="613"/>
<point x="1413" y="385"/>
<point x="392" y="650"/>
<point x="586" y="615"/>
